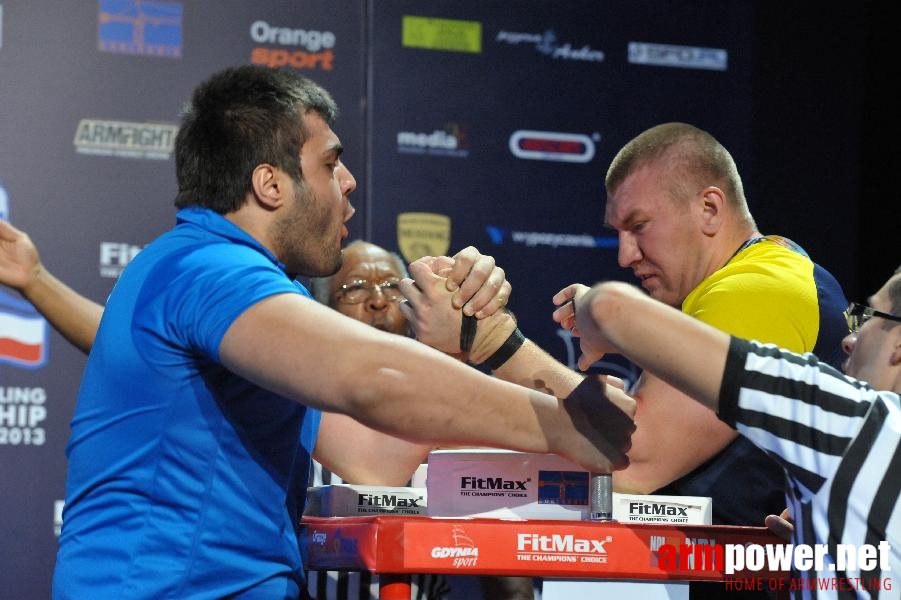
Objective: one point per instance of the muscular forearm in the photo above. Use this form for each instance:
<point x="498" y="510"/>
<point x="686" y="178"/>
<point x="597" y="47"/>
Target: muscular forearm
<point x="372" y="459"/>
<point x="529" y="365"/>
<point x="398" y="386"/>
<point x="533" y="367"/>
<point x="680" y="350"/>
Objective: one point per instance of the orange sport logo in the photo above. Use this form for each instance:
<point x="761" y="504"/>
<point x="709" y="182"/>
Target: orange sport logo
<point x="288" y="47"/>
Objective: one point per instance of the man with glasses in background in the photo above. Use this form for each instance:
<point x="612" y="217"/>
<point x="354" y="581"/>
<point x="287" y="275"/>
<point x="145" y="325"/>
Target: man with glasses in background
<point x="365" y="288"/>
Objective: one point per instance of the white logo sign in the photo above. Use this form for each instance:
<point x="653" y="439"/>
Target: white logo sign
<point x="683" y="57"/>
<point x="114" y="257"/>
<point x="552" y="145"/>
<point x="125" y="139"/>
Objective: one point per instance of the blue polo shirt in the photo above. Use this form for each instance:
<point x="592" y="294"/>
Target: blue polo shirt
<point x="184" y="481"/>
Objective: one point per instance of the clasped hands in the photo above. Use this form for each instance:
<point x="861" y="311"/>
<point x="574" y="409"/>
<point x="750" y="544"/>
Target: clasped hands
<point x="441" y="289"/>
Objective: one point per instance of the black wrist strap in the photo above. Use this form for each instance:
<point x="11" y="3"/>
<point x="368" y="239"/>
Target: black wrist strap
<point x="507" y="349"/>
<point x="468" y="332"/>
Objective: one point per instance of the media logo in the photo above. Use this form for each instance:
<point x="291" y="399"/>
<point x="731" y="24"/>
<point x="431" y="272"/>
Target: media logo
<point x="681" y="57"/>
<point x="423" y="234"/>
<point x="125" y="139"/>
<point x="140" y="27"/>
<point x="23" y="334"/>
<point x="450" y="141"/>
<point x="552" y="145"/>
<point x="452" y="35"/>
<point x="546" y="43"/>
<point x="463" y="553"/>
<point x="296" y="48"/>
<point x="114" y="257"/>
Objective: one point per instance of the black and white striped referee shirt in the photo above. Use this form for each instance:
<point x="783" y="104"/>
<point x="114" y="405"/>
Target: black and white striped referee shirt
<point x="839" y="441"/>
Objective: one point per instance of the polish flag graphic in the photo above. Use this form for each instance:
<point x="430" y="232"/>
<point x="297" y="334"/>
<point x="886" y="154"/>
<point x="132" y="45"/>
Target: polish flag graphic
<point x="23" y="334"/>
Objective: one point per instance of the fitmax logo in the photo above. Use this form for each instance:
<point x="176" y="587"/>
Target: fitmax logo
<point x="492" y="483"/>
<point x="388" y="500"/>
<point x="114" y="257"/>
<point x="532" y="542"/>
<point x="638" y="508"/>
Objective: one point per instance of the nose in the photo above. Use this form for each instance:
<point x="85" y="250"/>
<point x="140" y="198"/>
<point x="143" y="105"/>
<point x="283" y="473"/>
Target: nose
<point x="628" y="253"/>
<point x="849" y="342"/>
<point x="378" y="300"/>
<point x="346" y="179"/>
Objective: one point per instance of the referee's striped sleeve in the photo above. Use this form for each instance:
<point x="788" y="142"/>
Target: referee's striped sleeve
<point x="727" y="407"/>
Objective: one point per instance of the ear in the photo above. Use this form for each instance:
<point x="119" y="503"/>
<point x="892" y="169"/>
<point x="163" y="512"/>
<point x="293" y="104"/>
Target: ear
<point x="267" y="186"/>
<point x="713" y="202"/>
<point x="895" y="358"/>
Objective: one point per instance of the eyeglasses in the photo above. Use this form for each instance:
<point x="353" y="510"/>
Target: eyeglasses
<point x="361" y="290"/>
<point x="858" y="314"/>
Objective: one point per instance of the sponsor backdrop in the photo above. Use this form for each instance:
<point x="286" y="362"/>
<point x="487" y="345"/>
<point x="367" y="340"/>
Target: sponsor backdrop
<point x="465" y="122"/>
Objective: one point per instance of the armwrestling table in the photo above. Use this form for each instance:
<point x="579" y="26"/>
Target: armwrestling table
<point x="394" y="547"/>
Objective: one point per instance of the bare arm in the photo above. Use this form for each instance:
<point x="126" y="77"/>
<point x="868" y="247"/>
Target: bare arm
<point x="395" y="385"/>
<point x="73" y="315"/>
<point x="363" y="456"/>
<point x="682" y="351"/>
<point x="436" y="322"/>
<point x="675" y="434"/>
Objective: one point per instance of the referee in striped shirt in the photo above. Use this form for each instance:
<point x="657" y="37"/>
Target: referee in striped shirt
<point x="838" y="437"/>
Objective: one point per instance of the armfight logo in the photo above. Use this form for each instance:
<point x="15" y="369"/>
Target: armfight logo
<point x="140" y="27"/>
<point x="125" y="139"/>
<point x="292" y="47"/>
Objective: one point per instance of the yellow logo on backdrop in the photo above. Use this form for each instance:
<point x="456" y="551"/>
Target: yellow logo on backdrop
<point x="423" y="234"/>
<point x="442" y="34"/>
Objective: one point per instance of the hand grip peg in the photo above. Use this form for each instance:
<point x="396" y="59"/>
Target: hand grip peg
<point x="600" y="489"/>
